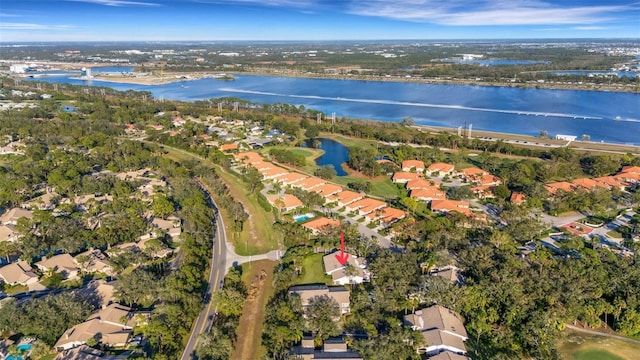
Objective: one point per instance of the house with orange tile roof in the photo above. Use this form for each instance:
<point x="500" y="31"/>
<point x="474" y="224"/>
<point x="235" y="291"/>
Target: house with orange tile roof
<point x="285" y="203"/>
<point x="157" y="127"/>
<point x="309" y="184"/>
<point x="291" y="178"/>
<point x="429" y="194"/>
<point x="554" y="188"/>
<point x="586" y="183"/>
<point x="489" y="180"/>
<point x="327" y="190"/>
<point x="416" y="165"/>
<point x="518" y="198"/>
<point x="419" y="184"/>
<point x="484" y="191"/>
<point x="440" y="168"/>
<point x="270" y="174"/>
<point x="262" y="165"/>
<point x="248" y="157"/>
<point x="345" y="197"/>
<point x="366" y="205"/>
<point x="630" y="170"/>
<point x="386" y="215"/>
<point x="629" y="176"/>
<point x="321" y="224"/>
<point x="404" y="177"/>
<point x="609" y="182"/>
<point x="445" y="206"/>
<point x="473" y="173"/>
<point x="228" y="147"/>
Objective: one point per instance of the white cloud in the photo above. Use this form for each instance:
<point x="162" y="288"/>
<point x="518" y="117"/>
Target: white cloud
<point x="589" y="28"/>
<point x="273" y="3"/>
<point x="9" y="15"/>
<point x="31" y="26"/>
<point x="485" y="12"/>
<point x="117" y="2"/>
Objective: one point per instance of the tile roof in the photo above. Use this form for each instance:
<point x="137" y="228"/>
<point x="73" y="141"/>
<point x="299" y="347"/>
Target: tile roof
<point x="327" y="189"/>
<point x="346" y="197"/>
<point x="517" y="197"/>
<point x="405" y="176"/>
<point x="408" y="164"/>
<point x="286" y="201"/>
<point x="450" y="205"/>
<point x="309" y="183"/>
<point x="441" y="167"/>
<point x="553" y="188"/>
<point x="227" y="147"/>
<point x="428" y="194"/>
<point x="291" y="178"/>
<point x="321" y="223"/>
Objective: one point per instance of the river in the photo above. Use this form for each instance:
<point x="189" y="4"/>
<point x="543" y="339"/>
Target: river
<point x="604" y="116"/>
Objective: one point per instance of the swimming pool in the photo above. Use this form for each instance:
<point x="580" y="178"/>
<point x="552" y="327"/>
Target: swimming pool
<point x="23" y="348"/>
<point x="303" y="217"/>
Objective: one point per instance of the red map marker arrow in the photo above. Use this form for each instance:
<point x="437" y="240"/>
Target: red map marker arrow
<point x="341" y="256"/>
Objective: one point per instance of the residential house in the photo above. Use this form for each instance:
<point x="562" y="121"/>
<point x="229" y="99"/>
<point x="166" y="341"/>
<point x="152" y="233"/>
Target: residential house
<point x="9" y="233"/>
<point x="99" y="293"/>
<point x="18" y="273"/>
<point x="483" y="191"/>
<point x="334" y="349"/>
<point x="12" y="216"/>
<point x="446" y="355"/>
<point x="518" y="198"/>
<point x="428" y="195"/>
<point x="291" y="179"/>
<point x="92" y="261"/>
<point x="228" y="147"/>
<point x="610" y="182"/>
<point x="327" y="190"/>
<point x="489" y="180"/>
<point x="171" y="226"/>
<point x="473" y="174"/>
<point x="556" y="187"/>
<point x="285" y="203"/>
<point x="248" y="157"/>
<point x="413" y="165"/>
<point x="353" y="271"/>
<point x="404" y="177"/>
<point x="273" y="173"/>
<point x="111" y="326"/>
<point x="444" y="206"/>
<point x="320" y="224"/>
<point x="338" y="293"/>
<point x="366" y="206"/>
<point x="345" y="198"/>
<point x="386" y="215"/>
<point x="630" y="170"/>
<point x="587" y="184"/>
<point x="62" y="264"/>
<point x="450" y="273"/>
<point x="46" y="201"/>
<point x="178" y="121"/>
<point x="441" y="169"/>
<point x="309" y="184"/>
<point x="83" y="352"/>
<point x="441" y="328"/>
<point x="419" y="184"/>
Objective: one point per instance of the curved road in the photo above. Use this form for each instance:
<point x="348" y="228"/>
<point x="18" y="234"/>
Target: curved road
<point x="216" y="277"/>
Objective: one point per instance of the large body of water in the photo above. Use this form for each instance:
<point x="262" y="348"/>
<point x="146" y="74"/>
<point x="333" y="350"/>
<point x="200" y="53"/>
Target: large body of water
<point x="605" y="116"/>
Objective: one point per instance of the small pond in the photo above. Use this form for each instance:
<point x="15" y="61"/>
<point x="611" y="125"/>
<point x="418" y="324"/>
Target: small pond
<point x="334" y="154"/>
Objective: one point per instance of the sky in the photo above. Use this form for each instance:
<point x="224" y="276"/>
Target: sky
<point x="232" y="20"/>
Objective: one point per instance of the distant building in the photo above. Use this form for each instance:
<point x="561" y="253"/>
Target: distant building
<point x="566" y="137"/>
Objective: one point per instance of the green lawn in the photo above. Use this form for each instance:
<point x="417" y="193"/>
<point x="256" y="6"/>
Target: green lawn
<point x="381" y="188"/>
<point x="313" y="270"/>
<point x="580" y="346"/>
<point x="614" y="234"/>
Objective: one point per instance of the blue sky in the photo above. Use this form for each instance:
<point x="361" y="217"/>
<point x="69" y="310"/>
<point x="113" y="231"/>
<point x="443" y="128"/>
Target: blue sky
<point x="167" y="20"/>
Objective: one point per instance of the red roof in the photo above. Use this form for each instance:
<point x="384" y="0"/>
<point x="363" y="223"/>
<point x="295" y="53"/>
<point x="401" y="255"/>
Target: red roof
<point x="450" y="205"/>
<point x="321" y="223"/>
<point x="517" y="197"/>
<point x="408" y="164"/>
<point x="440" y="167"/>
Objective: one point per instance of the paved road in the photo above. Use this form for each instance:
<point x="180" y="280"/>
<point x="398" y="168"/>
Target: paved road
<point x="216" y="276"/>
<point x="593" y="332"/>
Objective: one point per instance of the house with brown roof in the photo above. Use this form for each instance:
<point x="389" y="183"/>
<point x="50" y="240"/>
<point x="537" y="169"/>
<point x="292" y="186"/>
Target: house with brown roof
<point x="171" y="226"/>
<point x="473" y="173"/>
<point x="609" y="182"/>
<point x="429" y="194"/>
<point x="419" y="184"/>
<point x="345" y="197"/>
<point x="352" y="272"/>
<point x="440" y="168"/>
<point x="445" y="206"/>
<point x="446" y="355"/>
<point x="338" y="293"/>
<point x="386" y="215"/>
<point x="18" y="273"/>
<point x="309" y="184"/>
<point x="228" y="147"/>
<point x="320" y="224"/>
<point x="83" y="352"/>
<point x="12" y="216"/>
<point x="111" y="326"/>
<point x="9" y="233"/>
<point x="270" y="174"/>
<point x="366" y="206"/>
<point x="285" y="203"/>
<point x="556" y="187"/>
<point x="586" y="184"/>
<point x="92" y="261"/>
<point x="518" y="198"/>
<point x="441" y="328"/>
<point x="291" y="179"/>
<point x="403" y="177"/>
<point x="413" y="165"/>
<point x="327" y="190"/>
<point x="63" y="264"/>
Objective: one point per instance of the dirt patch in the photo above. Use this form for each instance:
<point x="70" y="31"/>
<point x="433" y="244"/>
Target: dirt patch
<point x="258" y="277"/>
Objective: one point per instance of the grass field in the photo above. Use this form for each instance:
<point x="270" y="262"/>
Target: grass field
<point x="580" y="346"/>
<point x="313" y="270"/>
<point x="249" y="342"/>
